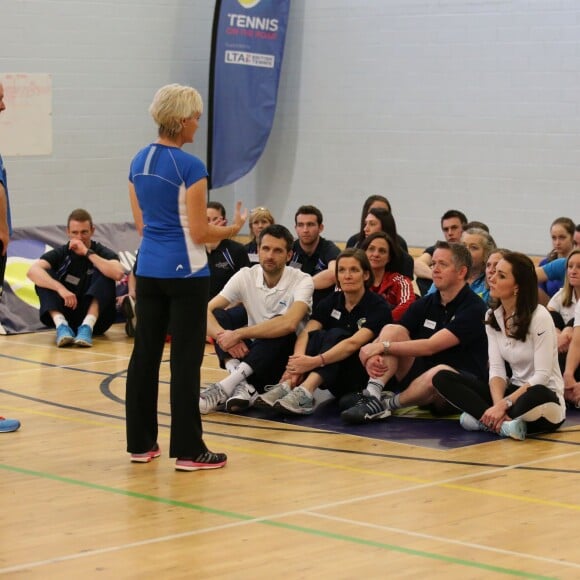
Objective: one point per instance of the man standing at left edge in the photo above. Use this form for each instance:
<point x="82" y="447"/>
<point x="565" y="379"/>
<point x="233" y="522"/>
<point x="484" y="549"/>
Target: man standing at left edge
<point x="6" y="425"/>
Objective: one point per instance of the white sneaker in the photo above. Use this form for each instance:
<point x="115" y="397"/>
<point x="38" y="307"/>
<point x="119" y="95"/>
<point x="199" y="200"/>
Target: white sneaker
<point x="470" y="423"/>
<point x="242" y="398"/>
<point x="273" y="393"/>
<point x="516" y="429"/>
<point x="211" y="399"/>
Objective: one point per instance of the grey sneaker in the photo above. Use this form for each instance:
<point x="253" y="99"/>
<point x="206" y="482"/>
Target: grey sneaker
<point x="242" y="398"/>
<point x="211" y="399"/>
<point x="516" y="429"/>
<point x="297" y="402"/>
<point x="273" y="393"/>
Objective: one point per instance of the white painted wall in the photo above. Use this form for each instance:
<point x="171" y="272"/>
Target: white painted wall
<point x="436" y="104"/>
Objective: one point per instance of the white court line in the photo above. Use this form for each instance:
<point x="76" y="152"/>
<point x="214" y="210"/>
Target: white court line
<point x="310" y="512"/>
<point x="444" y="540"/>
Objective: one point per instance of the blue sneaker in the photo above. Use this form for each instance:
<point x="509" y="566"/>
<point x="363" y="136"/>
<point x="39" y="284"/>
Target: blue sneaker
<point x="64" y="335"/>
<point x="516" y="429"/>
<point x="8" y="425"/>
<point x="84" y="336"/>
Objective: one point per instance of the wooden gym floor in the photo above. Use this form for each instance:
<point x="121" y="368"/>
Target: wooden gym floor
<point x="295" y="499"/>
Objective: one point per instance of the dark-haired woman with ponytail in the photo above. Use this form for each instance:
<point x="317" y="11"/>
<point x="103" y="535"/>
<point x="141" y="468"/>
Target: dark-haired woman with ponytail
<point x="520" y="333"/>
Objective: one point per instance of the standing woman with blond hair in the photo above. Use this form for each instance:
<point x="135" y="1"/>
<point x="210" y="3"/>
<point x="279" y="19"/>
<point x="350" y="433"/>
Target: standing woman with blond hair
<point x="168" y="193"/>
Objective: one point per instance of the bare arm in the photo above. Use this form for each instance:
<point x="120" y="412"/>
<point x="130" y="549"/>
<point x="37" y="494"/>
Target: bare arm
<point x="301" y="363"/>
<point x="4" y="234"/>
<point x="38" y="273"/>
<point x="423" y="266"/>
<point x="326" y="278"/>
<point x="441" y="340"/>
<point x="302" y="340"/>
<point x="542" y="277"/>
<point x="277" y="326"/>
<point x="135" y="209"/>
<point x="200" y="230"/>
<point x="111" y="268"/>
<point x="572" y="359"/>
<point x="348" y="346"/>
<point x="213" y="326"/>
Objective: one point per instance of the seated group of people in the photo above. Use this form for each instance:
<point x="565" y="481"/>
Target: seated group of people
<point x="291" y="316"/>
<point x="277" y="355"/>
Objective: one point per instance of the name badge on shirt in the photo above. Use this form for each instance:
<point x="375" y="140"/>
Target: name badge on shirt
<point x="336" y="314"/>
<point x="73" y="280"/>
<point x="429" y="324"/>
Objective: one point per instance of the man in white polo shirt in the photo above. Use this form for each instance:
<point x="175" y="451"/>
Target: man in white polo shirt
<point x="270" y="304"/>
<point x="572" y="372"/>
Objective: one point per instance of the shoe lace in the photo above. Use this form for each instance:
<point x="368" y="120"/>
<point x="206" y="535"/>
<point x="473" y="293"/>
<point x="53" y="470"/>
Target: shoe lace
<point x="370" y="404"/>
<point x="207" y="457"/>
<point x="299" y="397"/>
<point x="277" y="386"/>
<point x="241" y="389"/>
<point x="214" y="395"/>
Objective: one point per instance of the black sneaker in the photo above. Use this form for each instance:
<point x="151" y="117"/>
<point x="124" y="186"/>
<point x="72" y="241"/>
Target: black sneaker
<point x="366" y="410"/>
<point x="207" y="460"/>
<point x="128" y="307"/>
<point x="349" y="400"/>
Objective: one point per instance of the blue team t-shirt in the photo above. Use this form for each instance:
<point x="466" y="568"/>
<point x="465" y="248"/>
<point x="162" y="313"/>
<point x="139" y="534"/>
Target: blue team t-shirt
<point x="161" y="176"/>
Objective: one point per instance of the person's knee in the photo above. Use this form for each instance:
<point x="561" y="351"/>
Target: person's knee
<point x="441" y="374"/>
<point x="394" y="332"/>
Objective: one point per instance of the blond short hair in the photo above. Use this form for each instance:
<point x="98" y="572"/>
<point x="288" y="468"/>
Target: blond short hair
<point x="173" y="103"/>
<point x="257" y="214"/>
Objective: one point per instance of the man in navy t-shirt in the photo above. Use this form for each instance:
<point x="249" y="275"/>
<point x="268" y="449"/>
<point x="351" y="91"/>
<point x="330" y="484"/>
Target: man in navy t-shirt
<point x="311" y="253"/>
<point x="444" y="330"/>
<point x="75" y="284"/>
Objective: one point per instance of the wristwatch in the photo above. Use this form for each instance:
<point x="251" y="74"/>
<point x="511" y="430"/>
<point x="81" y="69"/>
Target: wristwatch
<point x="386" y="346"/>
<point x="89" y="253"/>
<point x="509" y="403"/>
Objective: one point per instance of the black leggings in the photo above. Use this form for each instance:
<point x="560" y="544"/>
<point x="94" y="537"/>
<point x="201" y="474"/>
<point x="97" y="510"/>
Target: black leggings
<point x="179" y="304"/>
<point x="342" y="377"/>
<point x="268" y="357"/>
<point x="538" y="406"/>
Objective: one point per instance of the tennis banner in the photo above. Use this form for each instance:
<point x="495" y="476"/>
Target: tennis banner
<point x="246" y="59"/>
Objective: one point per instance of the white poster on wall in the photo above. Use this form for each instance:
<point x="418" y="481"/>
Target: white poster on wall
<point x="26" y="124"/>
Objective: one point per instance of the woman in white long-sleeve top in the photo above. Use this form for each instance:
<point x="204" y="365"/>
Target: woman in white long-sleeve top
<point x="520" y="333"/>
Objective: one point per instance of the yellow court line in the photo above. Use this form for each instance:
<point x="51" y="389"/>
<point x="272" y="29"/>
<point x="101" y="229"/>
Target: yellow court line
<point x="421" y="482"/>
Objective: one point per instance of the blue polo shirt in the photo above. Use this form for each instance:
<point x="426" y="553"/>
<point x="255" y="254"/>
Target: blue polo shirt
<point x="464" y="317"/>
